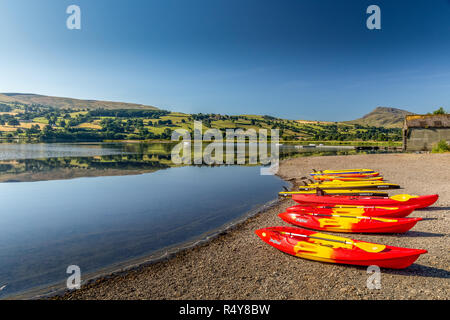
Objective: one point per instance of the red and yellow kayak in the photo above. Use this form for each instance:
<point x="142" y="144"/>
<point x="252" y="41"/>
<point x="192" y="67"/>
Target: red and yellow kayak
<point x="364" y="211"/>
<point x="333" y="249"/>
<point x="343" y="223"/>
<point x="398" y="200"/>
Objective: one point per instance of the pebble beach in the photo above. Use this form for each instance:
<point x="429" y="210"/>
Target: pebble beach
<point x="238" y="265"/>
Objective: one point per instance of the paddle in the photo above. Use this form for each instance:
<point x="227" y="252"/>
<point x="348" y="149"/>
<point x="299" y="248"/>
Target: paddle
<point x="366" y="246"/>
<point x="352" y="217"/>
<point x="403" y="197"/>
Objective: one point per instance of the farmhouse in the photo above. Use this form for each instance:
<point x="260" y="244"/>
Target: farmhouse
<point x="421" y="132"/>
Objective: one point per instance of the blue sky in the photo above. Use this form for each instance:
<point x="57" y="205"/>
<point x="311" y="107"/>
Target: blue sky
<point x="295" y="59"/>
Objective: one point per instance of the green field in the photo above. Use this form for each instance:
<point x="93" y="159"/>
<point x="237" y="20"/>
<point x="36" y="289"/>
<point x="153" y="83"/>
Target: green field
<point x="38" y="122"/>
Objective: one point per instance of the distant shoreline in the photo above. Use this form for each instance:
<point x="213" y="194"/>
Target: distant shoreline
<point x="305" y="142"/>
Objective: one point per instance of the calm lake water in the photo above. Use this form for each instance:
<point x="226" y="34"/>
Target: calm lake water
<point x="11" y="151"/>
<point x="97" y="222"/>
<point x="102" y="205"/>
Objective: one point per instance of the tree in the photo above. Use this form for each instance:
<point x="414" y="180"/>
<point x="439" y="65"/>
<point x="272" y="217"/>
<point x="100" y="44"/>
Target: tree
<point x="439" y="111"/>
<point x="33" y="130"/>
<point x="166" y="134"/>
<point x="13" y="122"/>
<point x="47" y="129"/>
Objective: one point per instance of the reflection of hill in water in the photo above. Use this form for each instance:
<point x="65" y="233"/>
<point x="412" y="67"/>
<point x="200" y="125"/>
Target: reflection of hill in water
<point x="126" y="158"/>
<point x="75" y="167"/>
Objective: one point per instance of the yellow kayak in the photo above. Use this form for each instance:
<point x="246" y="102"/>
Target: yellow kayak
<point x="347" y="173"/>
<point x="342" y="178"/>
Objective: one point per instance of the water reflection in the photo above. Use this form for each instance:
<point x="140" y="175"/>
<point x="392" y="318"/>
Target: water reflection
<point x="67" y="161"/>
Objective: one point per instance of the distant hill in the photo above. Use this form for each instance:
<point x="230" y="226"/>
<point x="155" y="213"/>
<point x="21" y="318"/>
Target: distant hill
<point x="68" y="103"/>
<point x="383" y="117"/>
<point x="66" y="119"/>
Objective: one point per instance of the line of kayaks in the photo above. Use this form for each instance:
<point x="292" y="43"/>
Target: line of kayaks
<point x="347" y="210"/>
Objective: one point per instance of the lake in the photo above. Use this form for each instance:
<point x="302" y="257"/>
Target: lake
<point x="101" y="205"/>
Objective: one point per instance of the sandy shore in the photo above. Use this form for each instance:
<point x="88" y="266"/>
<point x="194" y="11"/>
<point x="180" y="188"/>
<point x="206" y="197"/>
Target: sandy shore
<point x="238" y="265"/>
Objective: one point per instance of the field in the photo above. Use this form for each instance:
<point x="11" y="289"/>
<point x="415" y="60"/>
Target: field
<point x="46" y="123"/>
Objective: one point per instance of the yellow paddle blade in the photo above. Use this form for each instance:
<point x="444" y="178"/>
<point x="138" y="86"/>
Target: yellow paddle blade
<point x="370" y="247"/>
<point x="403" y="197"/>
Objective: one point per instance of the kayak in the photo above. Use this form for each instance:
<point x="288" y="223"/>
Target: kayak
<point x="322" y="247"/>
<point x="337" y="192"/>
<point x="336" y="184"/>
<point x="343" y="178"/>
<point x="345" y="175"/>
<point x="398" y="200"/>
<point x="344" y="172"/>
<point x="365" y="211"/>
<point x="344" y="223"/>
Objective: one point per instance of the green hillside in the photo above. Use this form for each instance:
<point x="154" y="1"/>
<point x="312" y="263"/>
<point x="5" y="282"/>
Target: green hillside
<point x="383" y="117"/>
<point x="43" y="122"/>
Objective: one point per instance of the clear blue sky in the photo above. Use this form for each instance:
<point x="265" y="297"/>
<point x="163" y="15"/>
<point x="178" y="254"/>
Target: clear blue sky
<point x="295" y="59"/>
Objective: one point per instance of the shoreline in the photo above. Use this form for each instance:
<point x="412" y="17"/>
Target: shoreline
<point x="235" y="264"/>
<point x="164" y="254"/>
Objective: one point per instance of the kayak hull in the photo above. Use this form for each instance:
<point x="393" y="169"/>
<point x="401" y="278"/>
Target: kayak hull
<point x="334" y="252"/>
<point x="339" y="192"/>
<point x="365" y="211"/>
<point x="418" y="202"/>
<point x="350" y="185"/>
<point x="343" y="178"/>
<point x="348" y="223"/>
<point x="347" y="173"/>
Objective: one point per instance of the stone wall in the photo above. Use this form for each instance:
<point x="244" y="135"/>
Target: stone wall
<point x="423" y="139"/>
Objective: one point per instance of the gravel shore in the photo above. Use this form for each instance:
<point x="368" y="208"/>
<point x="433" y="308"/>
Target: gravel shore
<point x="238" y="265"/>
